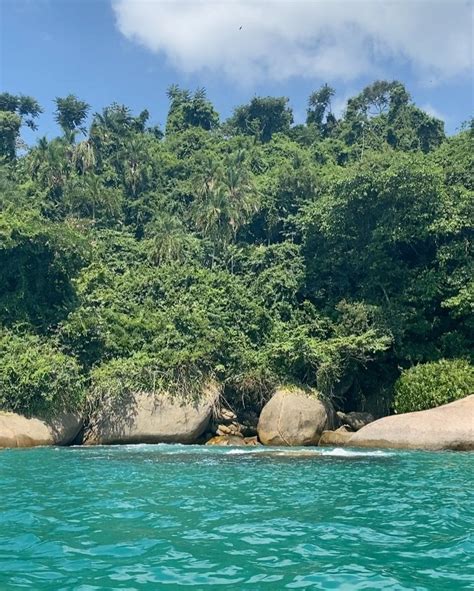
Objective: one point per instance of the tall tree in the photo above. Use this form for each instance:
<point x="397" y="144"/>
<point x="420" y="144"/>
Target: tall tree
<point x="15" y="111"/>
<point x="226" y="200"/>
<point x="382" y="115"/>
<point x="190" y="110"/>
<point x="262" y="117"/>
<point x="319" y="110"/>
<point x="70" y="115"/>
<point x="50" y="164"/>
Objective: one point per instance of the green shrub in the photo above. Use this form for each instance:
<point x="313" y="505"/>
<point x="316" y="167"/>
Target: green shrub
<point x="36" y="378"/>
<point x="432" y="384"/>
<point x="144" y="373"/>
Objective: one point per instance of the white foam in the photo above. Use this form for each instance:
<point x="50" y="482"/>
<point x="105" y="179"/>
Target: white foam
<point x="337" y="452"/>
<point x="349" y="453"/>
<point x="235" y="452"/>
<point x="178" y="449"/>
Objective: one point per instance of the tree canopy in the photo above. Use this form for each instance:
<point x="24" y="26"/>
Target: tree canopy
<point x="334" y="254"/>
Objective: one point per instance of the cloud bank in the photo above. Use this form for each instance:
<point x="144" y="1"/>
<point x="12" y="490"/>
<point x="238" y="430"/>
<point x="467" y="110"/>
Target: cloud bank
<point x="324" y="39"/>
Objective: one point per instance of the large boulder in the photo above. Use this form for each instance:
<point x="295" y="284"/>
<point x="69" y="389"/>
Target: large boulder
<point x="450" y="426"/>
<point x="294" y="417"/>
<point x="19" y="431"/>
<point x="152" y="418"/>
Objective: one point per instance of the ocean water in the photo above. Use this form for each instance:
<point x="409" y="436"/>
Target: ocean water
<point x="152" y="517"/>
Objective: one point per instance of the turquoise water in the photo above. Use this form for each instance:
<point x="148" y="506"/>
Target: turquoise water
<point x="165" y="517"/>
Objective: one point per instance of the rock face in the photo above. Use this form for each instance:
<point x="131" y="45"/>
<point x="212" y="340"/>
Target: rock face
<point x="339" y="437"/>
<point x="450" y="426"/>
<point x="355" y="420"/>
<point x="149" y="418"/>
<point x="292" y="417"/>
<point x="19" y="431"/>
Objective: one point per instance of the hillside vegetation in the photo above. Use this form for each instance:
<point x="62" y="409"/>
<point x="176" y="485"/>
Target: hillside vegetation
<point x="333" y="254"/>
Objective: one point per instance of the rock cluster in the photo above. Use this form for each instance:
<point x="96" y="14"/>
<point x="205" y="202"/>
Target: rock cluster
<point x="292" y="417"/>
<point x="227" y="424"/>
<point x="229" y="429"/>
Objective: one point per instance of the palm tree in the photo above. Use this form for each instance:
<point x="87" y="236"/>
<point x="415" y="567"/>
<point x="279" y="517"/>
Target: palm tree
<point x="211" y="207"/>
<point x="88" y="196"/>
<point x="50" y="165"/>
<point x="240" y="192"/>
<point x="169" y="239"/>
<point x="225" y="202"/>
<point x="38" y="156"/>
<point x="83" y="157"/>
<point x="134" y="163"/>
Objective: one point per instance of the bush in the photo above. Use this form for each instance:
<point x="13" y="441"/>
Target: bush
<point x="144" y="373"/>
<point x="36" y="378"/>
<point x="432" y="384"/>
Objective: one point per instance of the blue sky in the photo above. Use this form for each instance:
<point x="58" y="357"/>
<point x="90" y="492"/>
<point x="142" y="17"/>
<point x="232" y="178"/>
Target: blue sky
<point x="130" y="51"/>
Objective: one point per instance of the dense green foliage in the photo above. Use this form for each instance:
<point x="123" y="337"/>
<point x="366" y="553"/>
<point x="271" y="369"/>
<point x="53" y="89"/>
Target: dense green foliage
<point x="251" y="251"/>
<point x="37" y="378"/>
<point x="429" y="385"/>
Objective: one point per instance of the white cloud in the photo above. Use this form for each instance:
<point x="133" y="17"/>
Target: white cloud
<point x="434" y="112"/>
<point x="280" y="39"/>
<point x="339" y="103"/>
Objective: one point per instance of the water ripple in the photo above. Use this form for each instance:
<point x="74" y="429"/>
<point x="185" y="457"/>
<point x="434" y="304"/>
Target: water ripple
<point x="141" y="517"/>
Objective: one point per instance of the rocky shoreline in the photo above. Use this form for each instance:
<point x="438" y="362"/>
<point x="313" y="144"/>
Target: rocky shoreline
<point x="292" y="417"/>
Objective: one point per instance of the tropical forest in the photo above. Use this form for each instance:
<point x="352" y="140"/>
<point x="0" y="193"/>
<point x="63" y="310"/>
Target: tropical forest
<point x="332" y="255"/>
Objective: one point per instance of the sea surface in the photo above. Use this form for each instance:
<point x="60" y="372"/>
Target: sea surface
<point x="149" y="517"/>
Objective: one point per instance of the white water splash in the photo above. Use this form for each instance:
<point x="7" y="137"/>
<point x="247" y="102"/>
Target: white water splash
<point x="337" y="452"/>
<point x="201" y="450"/>
<point x="348" y="453"/>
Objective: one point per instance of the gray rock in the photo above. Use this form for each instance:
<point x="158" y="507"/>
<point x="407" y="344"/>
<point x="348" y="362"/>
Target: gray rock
<point x="19" y="431"/>
<point x="294" y="417"/>
<point x="450" y="426"/>
<point x="152" y="418"/>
